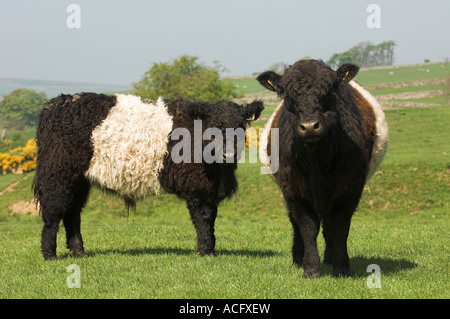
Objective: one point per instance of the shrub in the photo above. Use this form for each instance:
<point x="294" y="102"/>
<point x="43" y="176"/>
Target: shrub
<point x="19" y="159"/>
<point x="21" y="108"/>
<point x="185" y="78"/>
<point x="252" y="137"/>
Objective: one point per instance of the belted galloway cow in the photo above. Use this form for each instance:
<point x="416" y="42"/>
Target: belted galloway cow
<point x="131" y="147"/>
<point x="332" y="138"/>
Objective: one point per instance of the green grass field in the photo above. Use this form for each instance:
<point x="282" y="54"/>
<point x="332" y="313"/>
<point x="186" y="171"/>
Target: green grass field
<point x="402" y="74"/>
<point x="401" y="225"/>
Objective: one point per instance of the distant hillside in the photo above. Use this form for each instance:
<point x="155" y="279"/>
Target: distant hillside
<point x="54" y="88"/>
<point x="399" y="86"/>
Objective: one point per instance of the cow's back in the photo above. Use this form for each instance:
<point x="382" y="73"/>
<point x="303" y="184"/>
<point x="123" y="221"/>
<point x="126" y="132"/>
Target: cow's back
<point x="129" y="147"/>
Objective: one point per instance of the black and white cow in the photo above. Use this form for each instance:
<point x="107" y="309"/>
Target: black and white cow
<point x="123" y="144"/>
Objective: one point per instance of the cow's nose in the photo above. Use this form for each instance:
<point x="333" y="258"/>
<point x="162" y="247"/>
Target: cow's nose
<point x="309" y="128"/>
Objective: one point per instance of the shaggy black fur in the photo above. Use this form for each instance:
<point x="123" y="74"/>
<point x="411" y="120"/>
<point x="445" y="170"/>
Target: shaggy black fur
<point x="324" y="158"/>
<point x="65" y="150"/>
<point x="202" y="185"/>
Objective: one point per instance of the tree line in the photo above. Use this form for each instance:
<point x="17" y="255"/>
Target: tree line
<point x="365" y="54"/>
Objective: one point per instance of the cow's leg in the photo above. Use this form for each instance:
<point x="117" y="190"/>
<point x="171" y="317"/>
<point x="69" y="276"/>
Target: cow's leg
<point x="298" y="248"/>
<point x="53" y="205"/>
<point x="339" y="222"/>
<point x="203" y="216"/>
<point x="51" y="217"/>
<point x="308" y="225"/>
<point x="72" y="219"/>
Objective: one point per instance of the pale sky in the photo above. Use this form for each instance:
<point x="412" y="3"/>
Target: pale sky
<point x="119" y="40"/>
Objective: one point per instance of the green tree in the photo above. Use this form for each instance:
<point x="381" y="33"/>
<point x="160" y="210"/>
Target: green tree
<point x="21" y="108"/>
<point x="185" y="78"/>
<point x="365" y="54"/>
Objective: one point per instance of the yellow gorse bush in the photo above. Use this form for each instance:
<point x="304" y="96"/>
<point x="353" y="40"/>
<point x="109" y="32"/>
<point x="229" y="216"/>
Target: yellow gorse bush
<point x="20" y="159"/>
<point x="252" y="137"/>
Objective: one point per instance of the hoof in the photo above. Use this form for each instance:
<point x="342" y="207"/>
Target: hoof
<point x="341" y="273"/>
<point x="49" y="256"/>
<point x="311" y="274"/>
<point x="78" y="253"/>
<point x="210" y="254"/>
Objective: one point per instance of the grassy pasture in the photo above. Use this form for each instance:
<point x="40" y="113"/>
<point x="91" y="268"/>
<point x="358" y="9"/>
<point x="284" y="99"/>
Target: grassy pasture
<point x="401" y="225"/>
<point x="420" y="72"/>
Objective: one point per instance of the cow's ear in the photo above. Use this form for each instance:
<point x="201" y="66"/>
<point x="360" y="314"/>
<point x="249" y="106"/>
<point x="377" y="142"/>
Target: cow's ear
<point x="269" y="80"/>
<point x="347" y="72"/>
<point x="253" y="110"/>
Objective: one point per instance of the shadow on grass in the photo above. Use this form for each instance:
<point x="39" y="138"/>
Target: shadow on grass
<point x="181" y="252"/>
<point x="359" y="264"/>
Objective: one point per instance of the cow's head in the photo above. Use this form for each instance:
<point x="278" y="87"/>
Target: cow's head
<point x="226" y="122"/>
<point x="310" y="90"/>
